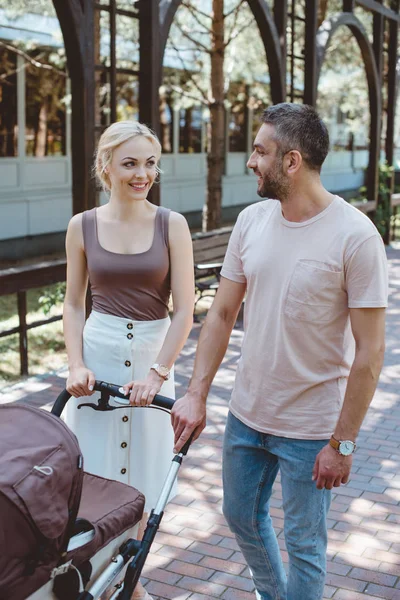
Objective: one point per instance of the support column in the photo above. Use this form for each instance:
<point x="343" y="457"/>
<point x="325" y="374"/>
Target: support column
<point x="310" y="53"/>
<point x="348" y="5"/>
<point x="76" y="19"/>
<point x="391" y="104"/>
<point x="150" y="71"/>
<point x="280" y="17"/>
<point x="392" y="85"/>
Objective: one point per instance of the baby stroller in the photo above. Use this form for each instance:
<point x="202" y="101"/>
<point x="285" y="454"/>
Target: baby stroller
<point x="66" y="534"/>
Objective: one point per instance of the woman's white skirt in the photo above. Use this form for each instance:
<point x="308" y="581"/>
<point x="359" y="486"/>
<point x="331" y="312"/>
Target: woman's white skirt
<point x="129" y="445"/>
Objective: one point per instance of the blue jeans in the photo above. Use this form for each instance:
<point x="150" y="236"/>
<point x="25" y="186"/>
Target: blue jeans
<point x="251" y="461"/>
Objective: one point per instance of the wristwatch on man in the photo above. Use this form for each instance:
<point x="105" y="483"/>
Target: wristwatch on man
<point x="343" y="447"/>
<point x="161" y="370"/>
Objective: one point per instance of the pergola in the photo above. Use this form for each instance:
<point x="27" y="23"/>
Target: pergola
<point x="77" y="21"/>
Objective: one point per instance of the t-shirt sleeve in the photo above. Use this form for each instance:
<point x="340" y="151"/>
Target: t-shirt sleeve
<point x="367" y="275"/>
<point x="232" y="267"/>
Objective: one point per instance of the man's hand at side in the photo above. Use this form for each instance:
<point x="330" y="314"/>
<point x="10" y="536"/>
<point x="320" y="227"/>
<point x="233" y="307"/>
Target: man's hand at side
<point x="331" y="469"/>
<point x="187" y="416"/>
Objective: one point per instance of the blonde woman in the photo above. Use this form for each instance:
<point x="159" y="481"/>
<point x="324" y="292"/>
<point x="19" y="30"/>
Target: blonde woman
<point x="135" y="255"/>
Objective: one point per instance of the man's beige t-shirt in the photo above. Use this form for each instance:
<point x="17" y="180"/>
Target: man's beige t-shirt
<point x="301" y="278"/>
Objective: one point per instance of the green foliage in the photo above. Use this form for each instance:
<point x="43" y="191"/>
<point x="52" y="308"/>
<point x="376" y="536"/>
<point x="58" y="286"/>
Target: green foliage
<point x="51" y="297"/>
<point x="383" y="211"/>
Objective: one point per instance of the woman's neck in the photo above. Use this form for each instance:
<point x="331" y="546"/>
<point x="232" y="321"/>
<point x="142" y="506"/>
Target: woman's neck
<point x="120" y="210"/>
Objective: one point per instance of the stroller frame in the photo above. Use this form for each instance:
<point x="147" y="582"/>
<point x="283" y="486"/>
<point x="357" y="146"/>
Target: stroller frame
<point x="131" y="550"/>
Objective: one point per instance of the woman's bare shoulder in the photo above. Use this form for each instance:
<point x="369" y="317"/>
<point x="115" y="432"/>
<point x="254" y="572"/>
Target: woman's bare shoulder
<point x="75" y="232"/>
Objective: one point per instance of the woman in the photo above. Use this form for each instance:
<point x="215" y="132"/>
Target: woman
<point x="134" y="254"/>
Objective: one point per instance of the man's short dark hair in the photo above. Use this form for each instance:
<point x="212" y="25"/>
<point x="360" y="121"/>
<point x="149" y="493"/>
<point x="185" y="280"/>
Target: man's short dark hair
<point x="299" y="127"/>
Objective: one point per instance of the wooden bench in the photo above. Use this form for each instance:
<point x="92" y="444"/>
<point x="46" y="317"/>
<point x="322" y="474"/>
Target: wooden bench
<point x="209" y="250"/>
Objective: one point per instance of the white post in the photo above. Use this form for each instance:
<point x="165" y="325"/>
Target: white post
<point x="21" y="118"/>
<point x="249" y="136"/>
<point x="175" y="131"/>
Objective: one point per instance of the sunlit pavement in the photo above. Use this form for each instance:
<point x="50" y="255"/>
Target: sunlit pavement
<point x="195" y="556"/>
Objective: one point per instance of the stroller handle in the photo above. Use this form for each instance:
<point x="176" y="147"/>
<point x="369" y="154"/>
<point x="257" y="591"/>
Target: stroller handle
<point x="111" y="389"/>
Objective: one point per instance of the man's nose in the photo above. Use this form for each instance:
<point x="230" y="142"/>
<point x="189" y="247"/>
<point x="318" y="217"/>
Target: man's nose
<point x="251" y="163"/>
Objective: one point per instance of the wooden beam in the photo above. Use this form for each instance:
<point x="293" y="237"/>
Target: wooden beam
<point x="310" y="53"/>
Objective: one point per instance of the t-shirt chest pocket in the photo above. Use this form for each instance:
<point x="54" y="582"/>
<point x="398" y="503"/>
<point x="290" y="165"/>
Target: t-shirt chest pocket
<point x="315" y="292"/>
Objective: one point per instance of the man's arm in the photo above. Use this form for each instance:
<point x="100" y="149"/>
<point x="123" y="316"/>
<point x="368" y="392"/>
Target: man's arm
<point x="189" y="412"/>
<point x="368" y="326"/>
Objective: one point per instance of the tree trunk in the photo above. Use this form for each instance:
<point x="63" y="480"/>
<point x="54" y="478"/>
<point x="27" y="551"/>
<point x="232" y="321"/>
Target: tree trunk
<point x="216" y="142"/>
<point x="41" y="132"/>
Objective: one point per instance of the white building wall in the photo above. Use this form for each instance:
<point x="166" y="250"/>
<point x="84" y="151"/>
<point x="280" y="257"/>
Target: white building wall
<point x="36" y="198"/>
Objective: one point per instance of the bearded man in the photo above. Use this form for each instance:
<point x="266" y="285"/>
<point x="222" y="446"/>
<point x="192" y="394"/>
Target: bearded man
<point x="314" y="271"/>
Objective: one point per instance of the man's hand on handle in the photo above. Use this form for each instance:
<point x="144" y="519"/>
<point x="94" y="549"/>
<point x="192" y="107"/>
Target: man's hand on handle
<point x="331" y="469"/>
<point x="188" y="415"/>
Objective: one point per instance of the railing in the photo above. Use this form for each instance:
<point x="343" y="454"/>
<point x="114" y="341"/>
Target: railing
<point x="18" y="281"/>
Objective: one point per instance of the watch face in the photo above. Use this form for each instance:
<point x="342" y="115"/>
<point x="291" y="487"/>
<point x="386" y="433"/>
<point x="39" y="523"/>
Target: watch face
<point x="346" y="448"/>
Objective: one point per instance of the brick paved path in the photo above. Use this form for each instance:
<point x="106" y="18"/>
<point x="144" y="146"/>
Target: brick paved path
<point x="195" y="556"/>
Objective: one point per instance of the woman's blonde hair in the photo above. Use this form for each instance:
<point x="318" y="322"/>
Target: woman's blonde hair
<point x="115" y="135"/>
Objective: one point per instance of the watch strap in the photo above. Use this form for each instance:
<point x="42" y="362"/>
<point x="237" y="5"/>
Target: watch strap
<point x="334" y="443"/>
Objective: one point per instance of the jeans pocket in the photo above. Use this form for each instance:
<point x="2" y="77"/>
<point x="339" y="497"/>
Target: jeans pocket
<point x="314" y="291"/>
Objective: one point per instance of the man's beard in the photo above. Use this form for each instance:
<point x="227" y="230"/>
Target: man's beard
<point x="274" y="186"/>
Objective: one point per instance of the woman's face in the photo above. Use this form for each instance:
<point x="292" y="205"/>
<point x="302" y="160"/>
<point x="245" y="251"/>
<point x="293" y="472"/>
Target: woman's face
<point x="132" y="170"/>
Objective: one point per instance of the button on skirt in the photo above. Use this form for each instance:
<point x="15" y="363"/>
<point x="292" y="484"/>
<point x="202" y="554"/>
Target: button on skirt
<point x="129" y="445"/>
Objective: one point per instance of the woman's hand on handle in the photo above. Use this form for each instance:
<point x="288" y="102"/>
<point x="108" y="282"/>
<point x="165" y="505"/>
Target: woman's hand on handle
<point x="187" y="416"/>
<point x="80" y="382"/>
<point x="141" y="393"/>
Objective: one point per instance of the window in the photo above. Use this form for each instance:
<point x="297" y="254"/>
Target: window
<point x="190" y="130"/>
<point x="166" y="121"/>
<point x="45" y="132"/>
<point x="8" y="103"/>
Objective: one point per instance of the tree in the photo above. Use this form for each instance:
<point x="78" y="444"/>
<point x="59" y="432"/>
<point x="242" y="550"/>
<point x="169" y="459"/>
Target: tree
<point x="212" y="48"/>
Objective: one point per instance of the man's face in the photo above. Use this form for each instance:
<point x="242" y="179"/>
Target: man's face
<point x="267" y="164"/>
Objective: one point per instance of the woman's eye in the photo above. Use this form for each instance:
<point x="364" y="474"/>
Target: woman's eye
<point x="129" y="164"/>
<point x="151" y="163"/>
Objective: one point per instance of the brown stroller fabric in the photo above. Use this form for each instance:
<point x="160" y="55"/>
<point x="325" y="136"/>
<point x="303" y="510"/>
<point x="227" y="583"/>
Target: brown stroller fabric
<point x="41" y="480"/>
<point x="111" y="507"/>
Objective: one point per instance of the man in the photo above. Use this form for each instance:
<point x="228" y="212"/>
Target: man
<point x="315" y="272"/>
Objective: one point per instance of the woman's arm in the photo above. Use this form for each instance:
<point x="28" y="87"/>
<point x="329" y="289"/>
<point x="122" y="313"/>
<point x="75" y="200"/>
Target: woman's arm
<point x="80" y="379"/>
<point x="182" y="287"/>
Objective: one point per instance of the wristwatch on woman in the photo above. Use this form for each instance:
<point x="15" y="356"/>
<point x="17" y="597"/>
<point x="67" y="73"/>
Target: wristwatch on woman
<point x="343" y="447"/>
<point x="161" y="370"/>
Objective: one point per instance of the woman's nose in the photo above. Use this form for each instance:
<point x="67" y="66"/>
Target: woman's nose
<point x="140" y="171"/>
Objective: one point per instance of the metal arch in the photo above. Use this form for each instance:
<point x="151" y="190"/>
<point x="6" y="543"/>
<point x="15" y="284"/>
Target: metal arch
<point x="70" y="15"/>
<point x="272" y="45"/>
<point x="324" y="36"/>
<point x="329" y="28"/>
<point x="268" y="32"/>
<point x="168" y="10"/>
